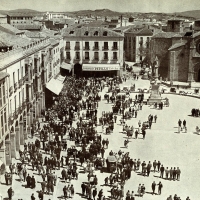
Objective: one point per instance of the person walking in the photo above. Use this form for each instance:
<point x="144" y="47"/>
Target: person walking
<point x="10" y="193"/>
<point x="153" y="187"/>
<point x="160" y="186"/>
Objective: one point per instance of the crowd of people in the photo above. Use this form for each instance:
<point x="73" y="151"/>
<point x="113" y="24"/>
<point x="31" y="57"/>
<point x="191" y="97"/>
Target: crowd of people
<point x="73" y="117"/>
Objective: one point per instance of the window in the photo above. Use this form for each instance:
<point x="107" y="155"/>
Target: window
<point x="11" y="106"/>
<point x="19" y="98"/>
<point x="86" y="33"/>
<point x="18" y="74"/>
<point x="96" y="55"/>
<point x="67" y="45"/>
<point x="105" y="55"/>
<point x="22" y="73"/>
<point x="96" y="33"/>
<point x="96" y="45"/>
<point x="15" y="102"/>
<point x="114" y="45"/>
<point x="68" y="56"/>
<point x="77" y="46"/>
<point x="71" y="32"/>
<point x="2" y="127"/>
<point x="87" y="45"/>
<point x="77" y="55"/>
<point x="106" y="45"/>
<point x="114" y="55"/>
<point x="5" y="120"/>
<point x="1" y="99"/>
<point x="4" y="92"/>
<point x="198" y="46"/>
<point x="13" y="77"/>
<point x="86" y="55"/>
<point x="105" y="33"/>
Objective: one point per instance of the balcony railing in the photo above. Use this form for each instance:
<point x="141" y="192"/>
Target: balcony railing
<point x="96" y="48"/>
<point x="86" y="48"/>
<point x="21" y="82"/>
<point x="15" y="114"/>
<point x="115" y="48"/>
<point x="15" y="86"/>
<point x="77" y="48"/>
<point x="67" y="48"/>
<point x="10" y="90"/>
<point x="105" y="48"/>
<point x="76" y="59"/>
<point x="50" y="74"/>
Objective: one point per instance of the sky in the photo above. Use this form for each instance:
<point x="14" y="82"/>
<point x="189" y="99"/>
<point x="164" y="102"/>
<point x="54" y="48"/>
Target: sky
<point x="165" y="6"/>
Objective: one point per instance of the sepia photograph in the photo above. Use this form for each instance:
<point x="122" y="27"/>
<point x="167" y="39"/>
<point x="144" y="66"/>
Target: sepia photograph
<point x="99" y="100"/>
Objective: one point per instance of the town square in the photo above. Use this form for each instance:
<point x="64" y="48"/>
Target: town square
<point x="99" y="105"/>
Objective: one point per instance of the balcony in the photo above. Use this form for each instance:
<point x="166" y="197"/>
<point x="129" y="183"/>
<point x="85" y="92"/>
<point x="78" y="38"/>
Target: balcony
<point x="21" y="82"/>
<point x="86" y="60"/>
<point x="10" y="120"/>
<point x="77" y="48"/>
<point x="86" y="48"/>
<point x="24" y="103"/>
<point x="15" y="114"/>
<point x="105" y="48"/>
<point x="96" y="48"/>
<point x="50" y="75"/>
<point x="20" y="110"/>
<point x="10" y="90"/>
<point x="67" y="60"/>
<point x="67" y="48"/>
<point x="95" y="60"/>
<point x="15" y="86"/>
<point x="76" y="59"/>
<point x="115" y="48"/>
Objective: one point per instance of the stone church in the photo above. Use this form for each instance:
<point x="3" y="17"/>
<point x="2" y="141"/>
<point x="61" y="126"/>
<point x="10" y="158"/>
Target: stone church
<point x="177" y="52"/>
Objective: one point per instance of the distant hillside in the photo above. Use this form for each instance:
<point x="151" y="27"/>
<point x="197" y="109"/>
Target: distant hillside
<point x="193" y="13"/>
<point x="19" y="11"/>
<point x="99" y="12"/>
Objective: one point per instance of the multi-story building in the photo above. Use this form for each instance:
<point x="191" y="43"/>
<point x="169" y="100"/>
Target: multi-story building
<point x="137" y="44"/>
<point x="20" y="18"/>
<point x="3" y="114"/>
<point x="93" y="51"/>
<point x="27" y="71"/>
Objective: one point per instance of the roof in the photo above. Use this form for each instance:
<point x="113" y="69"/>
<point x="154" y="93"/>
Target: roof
<point x="3" y="16"/>
<point x="145" y="32"/>
<point x="28" y="26"/>
<point x="7" y="40"/>
<point x="196" y="34"/>
<point x="10" y="29"/>
<point x="35" y="34"/>
<point x="80" y="32"/>
<point x="164" y="35"/>
<point x="16" y="14"/>
<point x="3" y="75"/>
<point x="54" y="42"/>
<point x="177" y="45"/>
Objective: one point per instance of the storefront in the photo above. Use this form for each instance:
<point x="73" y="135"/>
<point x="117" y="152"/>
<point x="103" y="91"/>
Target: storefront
<point x="100" y="70"/>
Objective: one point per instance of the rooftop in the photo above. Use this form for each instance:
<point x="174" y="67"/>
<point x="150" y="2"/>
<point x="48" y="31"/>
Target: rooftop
<point x="89" y="31"/>
<point x="28" y="26"/>
<point x="10" y="29"/>
<point x="164" y="35"/>
<point x="7" y="40"/>
<point x="177" y="45"/>
<point x="16" y="14"/>
<point x="3" y="75"/>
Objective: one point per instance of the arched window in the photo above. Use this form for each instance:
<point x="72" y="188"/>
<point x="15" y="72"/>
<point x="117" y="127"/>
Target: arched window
<point x="198" y="47"/>
<point x="105" y="33"/>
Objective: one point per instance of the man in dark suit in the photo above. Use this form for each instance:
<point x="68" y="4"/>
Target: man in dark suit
<point x="28" y="181"/>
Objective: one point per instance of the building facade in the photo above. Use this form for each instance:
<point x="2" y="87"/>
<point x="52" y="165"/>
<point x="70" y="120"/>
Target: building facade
<point x="94" y="51"/>
<point x="25" y="73"/>
<point x="137" y="44"/>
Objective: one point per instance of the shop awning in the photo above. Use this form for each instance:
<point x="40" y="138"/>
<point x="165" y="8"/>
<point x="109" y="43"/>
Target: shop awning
<point x="61" y="78"/>
<point x="66" y="66"/>
<point x="54" y="86"/>
<point x="100" y="67"/>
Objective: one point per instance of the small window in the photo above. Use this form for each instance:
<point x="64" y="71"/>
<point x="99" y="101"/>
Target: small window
<point x="96" y="33"/>
<point x="105" y="33"/>
<point x="86" y="33"/>
<point x="71" y="32"/>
